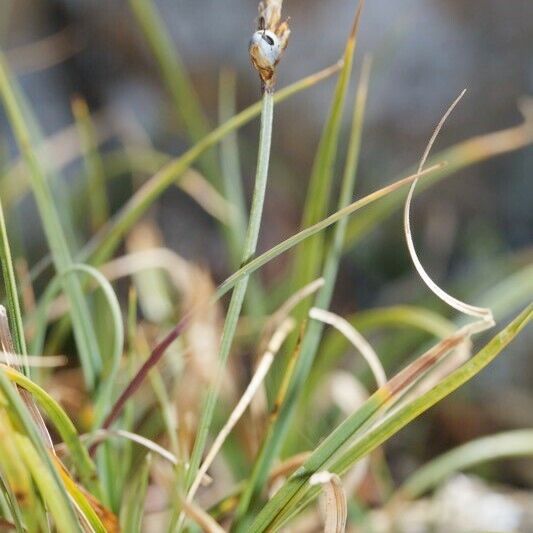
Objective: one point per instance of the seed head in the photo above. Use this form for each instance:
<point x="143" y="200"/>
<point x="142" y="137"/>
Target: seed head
<point x="269" y="41"/>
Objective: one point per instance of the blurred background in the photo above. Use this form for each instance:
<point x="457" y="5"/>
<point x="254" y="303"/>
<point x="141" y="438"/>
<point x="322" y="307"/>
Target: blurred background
<point x="472" y="229"/>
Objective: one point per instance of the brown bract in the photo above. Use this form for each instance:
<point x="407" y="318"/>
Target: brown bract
<point x="269" y="41"/>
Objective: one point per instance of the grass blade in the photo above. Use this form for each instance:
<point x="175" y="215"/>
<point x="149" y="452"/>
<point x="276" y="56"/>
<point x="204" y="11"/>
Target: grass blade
<point x="94" y="169"/>
<point x="462" y="155"/>
<point x="131" y="513"/>
<point x="83" y="330"/>
<point x="10" y="283"/>
<point x="38" y="460"/>
<point x="62" y="423"/>
<point x="15" y="481"/>
<point x="229" y="162"/>
<point x="233" y="189"/>
<point x="62" y="512"/>
<point x="174" y="73"/>
<point x="308" y="260"/>
<point x="518" y="443"/>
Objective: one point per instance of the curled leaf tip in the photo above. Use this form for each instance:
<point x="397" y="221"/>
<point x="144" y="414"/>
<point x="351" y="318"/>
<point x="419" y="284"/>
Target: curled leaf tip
<point x="269" y="41"/>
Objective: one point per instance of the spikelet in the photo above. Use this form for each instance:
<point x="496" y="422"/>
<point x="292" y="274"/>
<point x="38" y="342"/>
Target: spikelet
<point x="269" y="42"/>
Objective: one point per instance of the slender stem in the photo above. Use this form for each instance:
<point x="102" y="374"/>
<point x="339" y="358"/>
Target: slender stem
<point x="240" y="288"/>
<point x="10" y="284"/>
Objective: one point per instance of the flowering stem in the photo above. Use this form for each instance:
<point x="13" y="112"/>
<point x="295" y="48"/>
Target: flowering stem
<point x="239" y="291"/>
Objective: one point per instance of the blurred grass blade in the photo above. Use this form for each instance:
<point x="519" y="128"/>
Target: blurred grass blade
<point x="509" y="444"/>
<point x="107" y="240"/>
<point x="90" y="509"/>
<point x="101" y="435"/>
<point x="10" y="284"/>
<point x="16" y="483"/>
<point x="229" y="162"/>
<point x="83" y="331"/>
<point x="94" y="169"/>
<point x="333" y="346"/>
<point x="36" y="137"/>
<point x="207" y="523"/>
<point x="185" y="98"/>
<point x="131" y="512"/>
<point x="112" y="363"/>
<point x="60" y="508"/>
<point x="292" y="495"/>
<point x="37" y="459"/>
<point x="84" y="466"/>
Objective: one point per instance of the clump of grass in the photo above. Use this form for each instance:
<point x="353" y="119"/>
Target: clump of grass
<point x="188" y="427"/>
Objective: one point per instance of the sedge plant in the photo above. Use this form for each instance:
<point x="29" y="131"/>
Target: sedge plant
<point x="190" y="418"/>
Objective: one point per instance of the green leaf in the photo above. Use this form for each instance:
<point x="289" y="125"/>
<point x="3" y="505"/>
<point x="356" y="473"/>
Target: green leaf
<point x="96" y="193"/>
<point x="239" y="291"/>
<point x="185" y="99"/>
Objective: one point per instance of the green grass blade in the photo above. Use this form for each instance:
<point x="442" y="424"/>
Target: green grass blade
<point x="82" y="462"/>
<point x="233" y="189"/>
<point x="64" y="518"/>
<point x="36" y="137"/>
<point x="94" y="170"/>
<point x="9" y="508"/>
<point x="84" y="506"/>
<point x="229" y="162"/>
<point x="10" y="283"/>
<point x="509" y="444"/>
<point x="15" y="479"/>
<point x="308" y="260"/>
<point x="38" y="460"/>
<point x="295" y="490"/>
<point x="83" y="330"/>
<point x="131" y="513"/>
<point x="174" y="73"/>
<point x="301" y="236"/>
